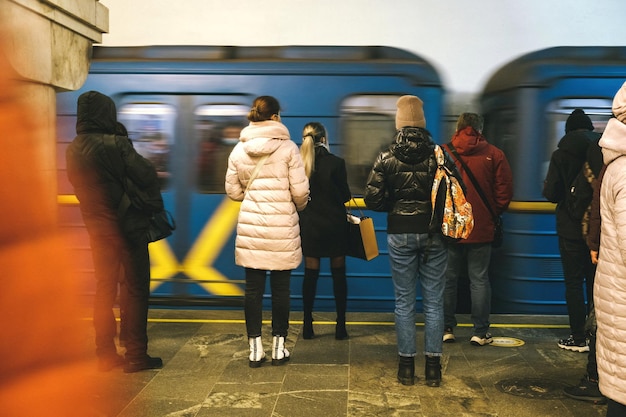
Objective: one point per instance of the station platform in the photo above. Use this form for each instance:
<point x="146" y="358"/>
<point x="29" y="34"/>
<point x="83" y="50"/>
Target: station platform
<point x="206" y="372"/>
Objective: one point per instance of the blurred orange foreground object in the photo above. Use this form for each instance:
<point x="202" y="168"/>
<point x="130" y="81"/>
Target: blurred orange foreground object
<point x="46" y="368"/>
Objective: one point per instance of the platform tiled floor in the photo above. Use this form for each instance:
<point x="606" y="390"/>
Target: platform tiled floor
<point x="206" y="371"/>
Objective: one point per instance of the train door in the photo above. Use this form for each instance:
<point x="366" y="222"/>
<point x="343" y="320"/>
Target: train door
<point x="189" y="139"/>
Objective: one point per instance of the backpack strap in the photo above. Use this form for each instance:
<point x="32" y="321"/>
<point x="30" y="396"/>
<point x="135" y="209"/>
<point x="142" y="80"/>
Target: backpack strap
<point x="452" y="149"/>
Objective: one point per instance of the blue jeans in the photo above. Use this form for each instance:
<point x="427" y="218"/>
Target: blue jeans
<point x="474" y="257"/>
<point x="408" y="266"/>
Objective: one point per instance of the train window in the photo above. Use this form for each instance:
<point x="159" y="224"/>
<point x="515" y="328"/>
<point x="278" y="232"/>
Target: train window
<point x="217" y="129"/>
<point x="151" y="128"/>
<point x="367" y="127"/>
<point x="598" y="110"/>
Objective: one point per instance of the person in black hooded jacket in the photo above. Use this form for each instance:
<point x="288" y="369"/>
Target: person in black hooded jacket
<point x="400" y="184"/>
<point x="119" y="245"/>
<point x="565" y="164"/>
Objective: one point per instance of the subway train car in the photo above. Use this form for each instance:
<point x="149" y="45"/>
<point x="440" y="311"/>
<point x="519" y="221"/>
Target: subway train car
<point x="526" y="104"/>
<point x="184" y="107"/>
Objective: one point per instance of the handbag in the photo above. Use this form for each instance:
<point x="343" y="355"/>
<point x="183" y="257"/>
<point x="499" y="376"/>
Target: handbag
<point x="162" y="225"/>
<point x="362" y="242"/>
<point x="498" y="231"/>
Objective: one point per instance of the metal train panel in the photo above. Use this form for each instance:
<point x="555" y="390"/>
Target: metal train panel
<point x="526" y="104"/>
<point x="184" y="108"/>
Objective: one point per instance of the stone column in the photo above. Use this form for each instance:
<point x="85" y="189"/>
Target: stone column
<point x="48" y="43"/>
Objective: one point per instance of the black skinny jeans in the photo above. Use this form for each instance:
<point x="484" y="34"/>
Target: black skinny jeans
<point x="253" y="307"/>
<point x="579" y="273"/>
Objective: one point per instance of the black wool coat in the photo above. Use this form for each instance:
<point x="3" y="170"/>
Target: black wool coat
<point x="323" y="225"/>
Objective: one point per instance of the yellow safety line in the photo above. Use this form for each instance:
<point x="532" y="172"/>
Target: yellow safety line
<point x="358" y="323"/>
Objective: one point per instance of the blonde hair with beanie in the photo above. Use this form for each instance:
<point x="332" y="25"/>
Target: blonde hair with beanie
<point x="410" y="112"/>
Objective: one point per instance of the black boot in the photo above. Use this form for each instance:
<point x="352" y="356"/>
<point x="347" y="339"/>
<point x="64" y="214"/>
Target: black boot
<point x="433" y="371"/>
<point x="406" y="370"/>
<point x="309" y="286"/>
<point x="340" y="291"/>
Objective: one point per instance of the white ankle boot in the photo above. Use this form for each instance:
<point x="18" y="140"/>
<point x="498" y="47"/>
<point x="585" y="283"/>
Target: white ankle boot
<point x="257" y="355"/>
<point x="280" y="355"/>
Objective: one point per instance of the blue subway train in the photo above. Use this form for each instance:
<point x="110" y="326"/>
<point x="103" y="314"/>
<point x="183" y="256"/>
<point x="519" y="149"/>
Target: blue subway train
<point x="185" y="105"/>
<point x="526" y="104"/>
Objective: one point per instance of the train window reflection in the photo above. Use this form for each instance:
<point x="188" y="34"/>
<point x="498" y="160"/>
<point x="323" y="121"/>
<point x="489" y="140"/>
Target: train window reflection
<point x="151" y="128"/>
<point x="598" y="110"/>
<point x="367" y="127"/>
<point x="216" y="128"/>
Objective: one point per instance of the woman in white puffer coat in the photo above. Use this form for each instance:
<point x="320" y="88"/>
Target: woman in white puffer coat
<point x="265" y="172"/>
<point x="610" y="281"/>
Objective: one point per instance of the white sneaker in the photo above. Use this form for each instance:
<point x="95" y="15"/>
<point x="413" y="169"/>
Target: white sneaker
<point x="481" y="341"/>
<point x="448" y="336"/>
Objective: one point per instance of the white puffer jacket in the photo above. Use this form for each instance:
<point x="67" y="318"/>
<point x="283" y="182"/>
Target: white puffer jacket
<point x="268" y="231"/>
<point x="610" y="281"/>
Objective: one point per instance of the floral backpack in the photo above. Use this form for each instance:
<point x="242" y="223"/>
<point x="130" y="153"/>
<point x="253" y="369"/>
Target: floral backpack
<point x="457" y="219"/>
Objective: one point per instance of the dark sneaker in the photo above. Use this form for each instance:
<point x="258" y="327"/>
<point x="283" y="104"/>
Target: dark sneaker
<point x="586" y="390"/>
<point x="136" y="365"/>
<point x="448" y="335"/>
<point x="107" y="363"/>
<point x="481" y="341"/>
<point x="574" y="345"/>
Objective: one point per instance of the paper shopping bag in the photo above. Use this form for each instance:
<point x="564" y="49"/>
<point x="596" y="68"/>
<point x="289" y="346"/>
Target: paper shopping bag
<point x="362" y="238"/>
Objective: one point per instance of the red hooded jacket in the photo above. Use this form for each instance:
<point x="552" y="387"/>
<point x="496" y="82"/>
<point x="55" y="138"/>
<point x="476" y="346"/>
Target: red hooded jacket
<point x="492" y="171"/>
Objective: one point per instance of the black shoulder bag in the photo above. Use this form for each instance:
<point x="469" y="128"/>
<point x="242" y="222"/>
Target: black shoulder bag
<point x="498" y="233"/>
<point x="161" y="222"/>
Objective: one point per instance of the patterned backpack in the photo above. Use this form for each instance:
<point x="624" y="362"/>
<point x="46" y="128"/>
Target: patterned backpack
<point x="457" y="219"/>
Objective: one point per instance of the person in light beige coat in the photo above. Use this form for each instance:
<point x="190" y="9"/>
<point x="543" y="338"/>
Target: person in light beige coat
<point x="609" y="291"/>
<point x="266" y="173"/>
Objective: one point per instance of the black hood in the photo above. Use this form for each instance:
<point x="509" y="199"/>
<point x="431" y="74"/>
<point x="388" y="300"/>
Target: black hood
<point x="412" y="145"/>
<point x="96" y="113"/>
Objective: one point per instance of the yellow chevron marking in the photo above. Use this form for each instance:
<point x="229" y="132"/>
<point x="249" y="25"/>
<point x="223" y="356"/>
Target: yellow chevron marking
<point x="210" y="242"/>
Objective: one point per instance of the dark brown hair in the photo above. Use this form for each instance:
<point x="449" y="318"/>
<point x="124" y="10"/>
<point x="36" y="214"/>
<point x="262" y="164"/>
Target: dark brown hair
<point x="263" y="108"/>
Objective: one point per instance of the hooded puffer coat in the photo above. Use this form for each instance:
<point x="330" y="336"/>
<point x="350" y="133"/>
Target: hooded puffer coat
<point x="268" y="231"/>
<point x="401" y="181"/>
<point x="609" y="291"/>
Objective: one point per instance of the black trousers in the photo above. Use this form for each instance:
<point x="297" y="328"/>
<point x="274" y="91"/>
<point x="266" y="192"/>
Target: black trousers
<point x="253" y="304"/>
<point x="120" y="259"/>
<point x="578" y="273"/>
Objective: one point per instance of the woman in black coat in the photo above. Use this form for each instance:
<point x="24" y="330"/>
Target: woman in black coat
<point x="323" y="225"/>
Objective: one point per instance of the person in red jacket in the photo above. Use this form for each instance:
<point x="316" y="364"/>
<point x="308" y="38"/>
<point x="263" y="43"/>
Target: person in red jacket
<point x="493" y="175"/>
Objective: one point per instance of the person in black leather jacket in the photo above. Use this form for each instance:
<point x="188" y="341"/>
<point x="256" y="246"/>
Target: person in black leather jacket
<point x="119" y="245"/>
<point x="400" y="184"/>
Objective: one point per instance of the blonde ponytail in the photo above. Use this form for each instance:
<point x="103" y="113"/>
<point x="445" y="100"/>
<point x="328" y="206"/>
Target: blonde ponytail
<point x="307" y="151"/>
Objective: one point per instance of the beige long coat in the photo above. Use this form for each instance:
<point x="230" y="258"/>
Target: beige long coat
<point x="268" y="231"/>
<point x="609" y="291"/>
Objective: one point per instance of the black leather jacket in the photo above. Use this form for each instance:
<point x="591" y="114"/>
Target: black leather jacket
<point x="401" y="179"/>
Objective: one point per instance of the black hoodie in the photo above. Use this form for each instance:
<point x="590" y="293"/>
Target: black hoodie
<point x="93" y="173"/>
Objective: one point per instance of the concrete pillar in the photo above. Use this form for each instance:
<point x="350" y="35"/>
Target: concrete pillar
<point x="48" y="43"/>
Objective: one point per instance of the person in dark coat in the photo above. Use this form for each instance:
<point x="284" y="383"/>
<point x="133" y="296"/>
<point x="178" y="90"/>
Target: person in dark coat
<point x="566" y="163"/>
<point x="492" y="172"/>
<point x="323" y="225"/>
<point x="400" y="183"/>
<point x="118" y="244"/>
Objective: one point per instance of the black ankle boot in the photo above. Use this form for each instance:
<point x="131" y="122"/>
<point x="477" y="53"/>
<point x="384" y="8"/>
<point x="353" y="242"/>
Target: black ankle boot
<point x="406" y="370"/>
<point x="340" y="331"/>
<point x="307" y="329"/>
<point x="433" y="371"/>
